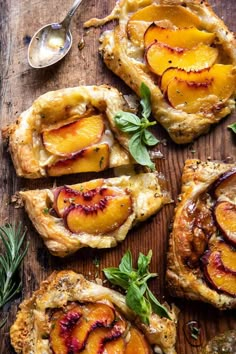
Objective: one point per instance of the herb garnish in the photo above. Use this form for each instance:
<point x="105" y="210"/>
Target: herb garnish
<point x="232" y="127"/>
<point x="139" y="297"/>
<point x="12" y="238"/>
<point x="140" y="137"/>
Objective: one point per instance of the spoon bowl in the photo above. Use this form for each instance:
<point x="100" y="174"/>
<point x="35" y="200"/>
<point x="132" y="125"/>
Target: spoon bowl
<point x="51" y="42"/>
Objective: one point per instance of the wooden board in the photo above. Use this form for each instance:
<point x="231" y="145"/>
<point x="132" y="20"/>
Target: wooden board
<point x="20" y="85"/>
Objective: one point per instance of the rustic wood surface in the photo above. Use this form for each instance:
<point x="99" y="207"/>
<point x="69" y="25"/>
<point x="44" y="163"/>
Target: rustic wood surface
<point x="20" y="85"/>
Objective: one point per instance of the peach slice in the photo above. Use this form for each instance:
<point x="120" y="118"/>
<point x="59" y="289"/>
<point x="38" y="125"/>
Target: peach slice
<point x="62" y="325"/>
<point x="95" y="315"/>
<point x="92" y="159"/>
<point x="160" y="56"/>
<point x="116" y="346"/>
<point x="67" y="196"/>
<point x="74" y="136"/>
<point x="86" y="186"/>
<point x="180" y="37"/>
<point x="192" y="96"/>
<point x="216" y="274"/>
<point x="205" y="75"/>
<point x="225" y="214"/>
<point x="106" y="216"/>
<point x="141" y="20"/>
<point x="225" y="186"/>
<point x="227" y="255"/>
<point x="97" y="339"/>
<point x="137" y="343"/>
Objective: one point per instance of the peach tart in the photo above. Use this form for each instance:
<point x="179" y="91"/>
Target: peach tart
<point x="183" y="52"/>
<point x="69" y="314"/>
<point x="69" y="131"/>
<point x="98" y="213"/>
<point x="202" y="253"/>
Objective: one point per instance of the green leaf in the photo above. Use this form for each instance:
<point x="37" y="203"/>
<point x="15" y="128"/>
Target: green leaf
<point x="143" y="263"/>
<point x="148" y="138"/>
<point x="139" y="151"/>
<point x="127" y="122"/>
<point x="137" y="302"/>
<point x="126" y="263"/>
<point x="116" y="277"/>
<point x="159" y="309"/>
<point x="146" y="100"/>
<point x="232" y="127"/>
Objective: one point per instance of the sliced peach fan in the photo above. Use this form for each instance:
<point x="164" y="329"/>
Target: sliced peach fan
<point x="93" y="328"/>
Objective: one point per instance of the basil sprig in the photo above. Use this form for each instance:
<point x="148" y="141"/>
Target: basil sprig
<point x="140" y="137"/>
<point x="232" y="127"/>
<point x="139" y="297"/>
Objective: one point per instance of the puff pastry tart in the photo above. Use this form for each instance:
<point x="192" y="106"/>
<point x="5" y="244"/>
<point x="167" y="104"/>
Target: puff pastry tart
<point x="183" y="52"/>
<point x="98" y="213"/>
<point x="68" y="131"/>
<point x="202" y="254"/>
<point x="69" y="314"/>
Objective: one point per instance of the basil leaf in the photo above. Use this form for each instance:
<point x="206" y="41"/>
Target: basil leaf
<point x="143" y="263"/>
<point x="146" y="100"/>
<point x="116" y="277"/>
<point x="159" y="309"/>
<point x="148" y="138"/>
<point x="127" y="122"/>
<point x="126" y="263"/>
<point x="139" y="151"/>
<point x="137" y="302"/>
<point x="232" y="127"/>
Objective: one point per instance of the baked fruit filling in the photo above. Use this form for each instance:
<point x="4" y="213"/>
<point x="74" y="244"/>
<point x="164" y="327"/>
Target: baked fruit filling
<point x="209" y="244"/>
<point x="82" y="145"/>
<point x="91" y="207"/>
<point x="94" y="328"/>
<point x="191" y="71"/>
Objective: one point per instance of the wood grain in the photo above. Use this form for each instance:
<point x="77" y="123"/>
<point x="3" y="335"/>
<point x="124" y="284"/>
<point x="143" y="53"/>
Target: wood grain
<point x="20" y="85"/>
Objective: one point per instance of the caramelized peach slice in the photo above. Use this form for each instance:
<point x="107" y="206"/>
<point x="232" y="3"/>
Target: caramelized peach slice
<point x="67" y="196"/>
<point x="137" y="343"/>
<point x="193" y="96"/>
<point x="227" y="255"/>
<point x="116" y="346"/>
<point x="176" y="15"/>
<point x="205" y="75"/>
<point x="225" y="214"/>
<point x="93" y="159"/>
<point x="180" y="37"/>
<point x="62" y="325"/>
<point x="225" y="186"/>
<point x="106" y="216"/>
<point x="96" y="315"/>
<point x="219" y="278"/>
<point x="96" y="342"/>
<point x="86" y="186"/>
<point x="160" y="56"/>
<point x="75" y="136"/>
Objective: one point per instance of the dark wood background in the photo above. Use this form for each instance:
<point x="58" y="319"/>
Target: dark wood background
<point x="20" y="85"/>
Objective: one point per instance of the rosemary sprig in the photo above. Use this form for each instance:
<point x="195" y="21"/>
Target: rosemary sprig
<point x="12" y="237"/>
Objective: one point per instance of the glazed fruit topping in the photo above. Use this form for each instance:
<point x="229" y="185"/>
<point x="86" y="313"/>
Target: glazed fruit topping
<point x="95" y="329"/>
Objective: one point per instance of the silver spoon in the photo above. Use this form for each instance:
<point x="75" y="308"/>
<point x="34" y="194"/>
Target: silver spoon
<point x="52" y="42"/>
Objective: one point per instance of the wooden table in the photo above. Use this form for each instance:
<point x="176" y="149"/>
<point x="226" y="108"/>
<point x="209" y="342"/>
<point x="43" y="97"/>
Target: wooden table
<point x="20" y="85"/>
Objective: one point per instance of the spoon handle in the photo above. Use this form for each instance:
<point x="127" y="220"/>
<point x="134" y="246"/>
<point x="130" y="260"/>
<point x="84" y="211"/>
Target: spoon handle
<point x="74" y="7"/>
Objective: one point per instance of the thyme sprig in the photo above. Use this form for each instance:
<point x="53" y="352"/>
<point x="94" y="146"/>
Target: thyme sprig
<point x="12" y="238"/>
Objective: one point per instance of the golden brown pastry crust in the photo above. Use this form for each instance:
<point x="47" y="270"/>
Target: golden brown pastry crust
<point x="183" y="281"/>
<point x="147" y="195"/>
<point x="126" y="60"/>
<point x="25" y="144"/>
<point x="66" y="286"/>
